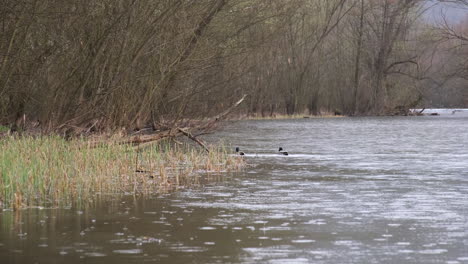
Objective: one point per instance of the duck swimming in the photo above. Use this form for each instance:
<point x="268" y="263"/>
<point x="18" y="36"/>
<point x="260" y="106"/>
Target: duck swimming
<point x="282" y="152"/>
<point x="239" y="152"/>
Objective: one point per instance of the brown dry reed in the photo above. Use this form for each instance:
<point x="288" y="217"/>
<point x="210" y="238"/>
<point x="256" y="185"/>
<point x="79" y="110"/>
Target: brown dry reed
<point x="50" y="171"/>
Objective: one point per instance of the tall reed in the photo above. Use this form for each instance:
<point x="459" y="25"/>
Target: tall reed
<point x="50" y="171"/>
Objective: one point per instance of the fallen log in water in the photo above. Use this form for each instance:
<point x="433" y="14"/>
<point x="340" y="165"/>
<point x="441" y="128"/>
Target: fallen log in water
<point x="202" y="127"/>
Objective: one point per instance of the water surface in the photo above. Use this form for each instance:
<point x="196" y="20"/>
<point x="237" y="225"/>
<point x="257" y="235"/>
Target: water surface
<point x="352" y="190"/>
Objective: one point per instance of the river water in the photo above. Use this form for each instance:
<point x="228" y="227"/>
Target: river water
<point x="352" y="190"/>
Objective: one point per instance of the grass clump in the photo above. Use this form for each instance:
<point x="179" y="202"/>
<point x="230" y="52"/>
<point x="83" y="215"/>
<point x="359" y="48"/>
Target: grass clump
<point x="4" y="129"/>
<point x="50" y="171"/>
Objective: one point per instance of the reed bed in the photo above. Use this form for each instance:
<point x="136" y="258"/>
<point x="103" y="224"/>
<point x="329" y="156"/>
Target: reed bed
<point x="50" y="171"/>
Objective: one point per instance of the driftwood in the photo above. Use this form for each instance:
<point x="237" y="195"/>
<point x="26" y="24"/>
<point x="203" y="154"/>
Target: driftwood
<point x="189" y="135"/>
<point x="142" y="141"/>
<point x="209" y="126"/>
<point x="221" y="116"/>
<point x="139" y="140"/>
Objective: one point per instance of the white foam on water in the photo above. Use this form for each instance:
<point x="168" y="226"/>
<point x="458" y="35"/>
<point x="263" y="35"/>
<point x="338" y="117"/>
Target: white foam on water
<point x="95" y="254"/>
<point x="433" y="251"/>
<point x="128" y="251"/>
<point x="302" y="241"/>
<point x="207" y="228"/>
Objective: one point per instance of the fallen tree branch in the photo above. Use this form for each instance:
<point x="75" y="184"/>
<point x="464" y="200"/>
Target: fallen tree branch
<point x="148" y="139"/>
<point x="223" y="115"/>
<point x="198" y="141"/>
<point x="229" y="110"/>
<point x="140" y="140"/>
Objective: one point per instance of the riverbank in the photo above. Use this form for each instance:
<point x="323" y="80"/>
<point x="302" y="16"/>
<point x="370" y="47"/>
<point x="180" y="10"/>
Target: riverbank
<point x="51" y="171"/>
<point x="284" y="116"/>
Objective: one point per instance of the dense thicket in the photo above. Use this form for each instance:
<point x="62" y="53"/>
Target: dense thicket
<point x="130" y="63"/>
